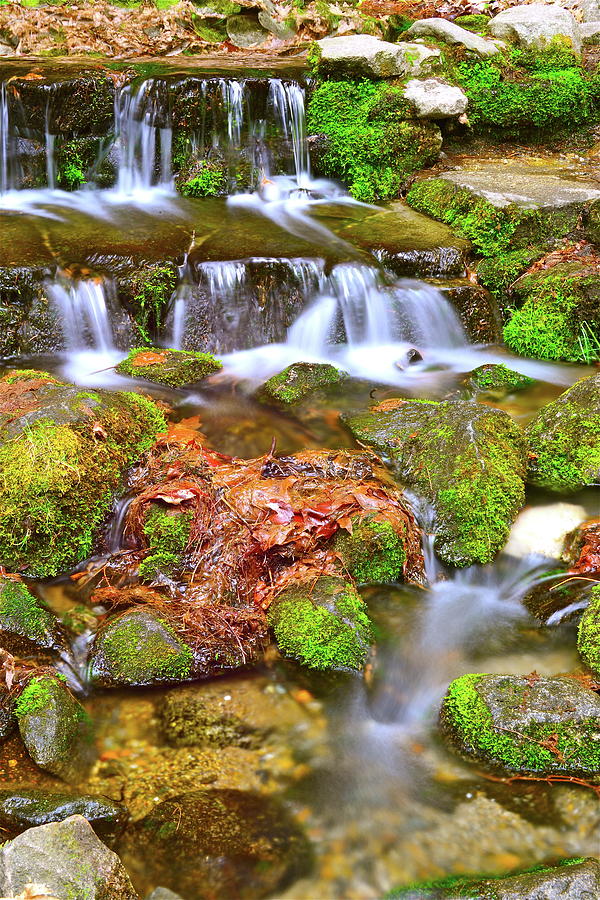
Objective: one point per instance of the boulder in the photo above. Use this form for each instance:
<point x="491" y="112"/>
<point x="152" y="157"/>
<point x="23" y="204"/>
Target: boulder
<point x="541" y="530"/>
<point x="564" y="439"/>
<point x="590" y="32"/>
<point x="63" y="450"/>
<point x="323" y="624"/>
<point x="176" y="368"/>
<point x="22" y="808"/>
<point x="246" y="31"/>
<point x="217" y="843"/>
<point x="298" y="381"/>
<point x="368" y="56"/>
<point x="535" y="26"/>
<point x="372" y="552"/>
<point x="68" y="859"/>
<point x="25" y="625"/>
<point x="525" y="724"/>
<point x="435" y="99"/>
<point x="466" y="458"/>
<point x="443" y="30"/>
<point x="499" y="380"/>
<point x="477" y="309"/>
<point x="588" y="635"/>
<point x="55" y="728"/>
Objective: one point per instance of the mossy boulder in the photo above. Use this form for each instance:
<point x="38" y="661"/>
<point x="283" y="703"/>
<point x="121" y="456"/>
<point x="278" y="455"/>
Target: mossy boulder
<point x="499" y="273"/>
<point x="22" y="808"/>
<point x="372" y="143"/>
<point x="467" y="459"/>
<point x="55" y="728"/>
<point x="25" y="625"/>
<point x="373" y="552"/>
<point x="167" y="532"/>
<point x="298" y="381"/>
<point x="588" y="635"/>
<point x="139" y="648"/>
<point x="146" y="292"/>
<point x="62" y="454"/>
<point x="323" y="624"/>
<point x="524" y="724"/>
<point x="176" y="368"/>
<point x="497" y="379"/>
<point x="557" y="314"/>
<point x="218" y="843"/>
<point x="577" y="878"/>
<point x="564" y="439"/>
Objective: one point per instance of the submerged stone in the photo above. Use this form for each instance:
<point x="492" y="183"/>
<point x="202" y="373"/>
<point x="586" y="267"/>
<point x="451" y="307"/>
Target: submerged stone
<point x="68" y="859"/>
<point x="56" y="729"/>
<point x="323" y="624"/>
<point x="588" y="635"/>
<point x="526" y="724"/>
<point x="498" y="379"/>
<point x="62" y="453"/>
<point x="368" y="56"/>
<point x="564" y="439"/>
<point x="298" y="381"/>
<point x="176" y="368"/>
<point x="467" y="459"/>
<point x="22" y="808"/>
<point x="218" y="843"/>
<point x="573" y="878"/>
<point x="25" y="625"/>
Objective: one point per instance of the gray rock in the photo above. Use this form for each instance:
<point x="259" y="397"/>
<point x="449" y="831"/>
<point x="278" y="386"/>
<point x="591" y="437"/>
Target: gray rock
<point x="22" y="808"/>
<point x="452" y="34"/>
<point x="55" y="728"/>
<point x="275" y="26"/>
<point x="26" y="625"/>
<point x="590" y="32"/>
<point x="246" y="31"/>
<point x="68" y="859"/>
<point x="434" y="99"/>
<point x="363" y="54"/>
<point x="590" y="10"/>
<point x="534" y="26"/>
<point x="161" y="893"/>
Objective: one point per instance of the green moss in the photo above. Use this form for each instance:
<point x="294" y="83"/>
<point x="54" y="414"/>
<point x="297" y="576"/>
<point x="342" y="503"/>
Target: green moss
<point x="21" y="614"/>
<point x="29" y="375"/>
<point x="167" y="534"/>
<point x="479" y="24"/>
<point x="469" y="721"/>
<point x="496" y="377"/>
<point x="36" y="697"/>
<point x="326" y="628"/>
<point x="588" y="635"/>
<point x="176" y="368"/>
<point x="135" y="653"/>
<point x="149" y="291"/>
<point x="297" y="381"/>
<point x="210" y="181"/>
<point x="374" y="552"/>
<point x="371" y="144"/>
<point x="498" y="273"/>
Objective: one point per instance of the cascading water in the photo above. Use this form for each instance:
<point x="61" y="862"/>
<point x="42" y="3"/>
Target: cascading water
<point x="84" y="315"/>
<point x="145" y="148"/>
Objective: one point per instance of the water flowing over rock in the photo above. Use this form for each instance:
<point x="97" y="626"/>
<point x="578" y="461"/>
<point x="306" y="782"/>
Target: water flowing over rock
<point x="536" y="25"/>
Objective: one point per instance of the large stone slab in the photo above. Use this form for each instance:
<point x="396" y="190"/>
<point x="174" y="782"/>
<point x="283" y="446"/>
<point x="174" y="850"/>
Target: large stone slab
<point x="363" y="54"/>
<point x="442" y="30"/>
<point x="534" y="26"/>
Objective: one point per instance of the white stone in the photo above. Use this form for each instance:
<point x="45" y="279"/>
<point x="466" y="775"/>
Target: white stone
<point x="367" y="55"/>
<point x="541" y="530"/>
<point x="590" y="32"/>
<point x="435" y="99"/>
<point x="534" y="26"/>
<point x="590" y="10"/>
<point x="452" y="34"/>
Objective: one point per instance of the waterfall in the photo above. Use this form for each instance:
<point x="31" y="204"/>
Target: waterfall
<point x="83" y="310"/>
<point x="136" y="113"/>
<point x="4" y="139"/>
<point x="287" y="100"/>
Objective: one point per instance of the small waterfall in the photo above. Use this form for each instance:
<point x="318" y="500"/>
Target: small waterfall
<point x="145" y="148"/>
<point x="83" y="309"/>
<point x="4" y="138"/>
<point x="287" y="100"/>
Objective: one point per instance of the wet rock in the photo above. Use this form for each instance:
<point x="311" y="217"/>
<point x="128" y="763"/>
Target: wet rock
<point x="588" y="635"/>
<point x="582" y="546"/>
<point x="373" y="552"/>
<point x="26" y="625"/>
<point x="564" y="439"/>
<point x="8" y="720"/>
<point x="525" y="723"/>
<point x="535" y="26"/>
<point x="443" y="30"/>
<point x="363" y="54"/>
<point x="176" y="368"/>
<point x="323" y="624"/>
<point x="498" y="379"/>
<point x="477" y="309"/>
<point x="70" y="106"/>
<point x="55" y="728"/>
<point x="22" y="808"/>
<point x="541" y="530"/>
<point x="68" y="859"/>
<point x="29" y="324"/>
<point x="590" y="32"/>
<point x="468" y="460"/>
<point x="217" y="843"/>
<point x="62" y="452"/>
<point x="435" y="99"/>
<point x="577" y="878"/>
<point x="298" y="381"/>
<point x="246" y="31"/>
<point x="502" y="206"/>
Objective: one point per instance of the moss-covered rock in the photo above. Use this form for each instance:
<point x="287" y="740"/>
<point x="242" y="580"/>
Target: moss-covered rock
<point x="62" y="453"/>
<point x="497" y="379"/>
<point x="323" y="624"/>
<point x="22" y="808"/>
<point x="558" y="314"/>
<point x="146" y="292"/>
<point x="498" y="273"/>
<point x="297" y="381"/>
<point x="138" y="648"/>
<point x="176" y="368"/>
<point x="373" y="552"/>
<point x="524" y="724"/>
<point x="564" y="439"/>
<point x="477" y="23"/>
<point x="56" y="729"/>
<point x="26" y="625"/>
<point x="588" y="635"/>
<point x="571" y="878"/>
<point x="167" y="532"/>
<point x="218" y="843"/>
<point x="467" y="459"/>
<point x="372" y="143"/>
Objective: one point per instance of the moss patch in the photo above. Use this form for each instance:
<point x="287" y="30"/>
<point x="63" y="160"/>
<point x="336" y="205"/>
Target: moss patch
<point x="148" y="292"/>
<point x="176" y="368"/>
<point x="588" y="635"/>
<point x="499" y="273"/>
<point x="494" y="377"/>
<point x="167" y="534"/>
<point x="297" y="381"/>
<point x="209" y="181"/>
<point x="374" y="552"/>
<point x="21" y="616"/>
